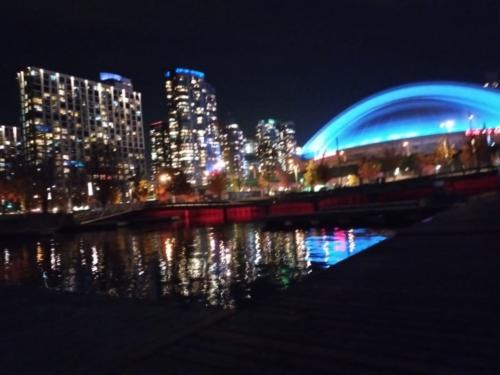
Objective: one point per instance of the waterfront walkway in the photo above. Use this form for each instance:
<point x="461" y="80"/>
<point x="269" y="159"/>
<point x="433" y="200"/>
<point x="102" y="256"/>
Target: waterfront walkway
<point x="425" y="301"/>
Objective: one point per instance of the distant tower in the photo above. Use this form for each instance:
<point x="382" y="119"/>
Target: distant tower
<point x="287" y="146"/>
<point x="234" y="152"/>
<point x="10" y="142"/>
<point x="193" y="135"/>
<point x="267" y="139"/>
<point x="160" y="147"/>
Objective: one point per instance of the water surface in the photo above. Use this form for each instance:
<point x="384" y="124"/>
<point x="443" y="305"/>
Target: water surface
<point x="222" y="266"/>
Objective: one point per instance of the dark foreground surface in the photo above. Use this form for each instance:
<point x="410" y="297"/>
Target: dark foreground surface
<point x="425" y="301"/>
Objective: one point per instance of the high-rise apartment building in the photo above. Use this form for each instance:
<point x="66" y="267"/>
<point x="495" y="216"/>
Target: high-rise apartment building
<point x="276" y="146"/>
<point x="10" y="142"/>
<point x="72" y="125"/>
<point x="287" y="146"/>
<point x="267" y="146"/>
<point x="233" y="146"/>
<point x="160" y="147"/>
<point x="251" y="159"/>
<point x="192" y="140"/>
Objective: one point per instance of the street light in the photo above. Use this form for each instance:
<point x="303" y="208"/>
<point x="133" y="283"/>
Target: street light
<point x="406" y="145"/>
<point x="448" y="125"/>
<point x="164" y="178"/>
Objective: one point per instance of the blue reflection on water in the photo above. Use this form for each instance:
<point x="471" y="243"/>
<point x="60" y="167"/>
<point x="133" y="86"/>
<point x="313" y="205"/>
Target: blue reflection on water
<point x="328" y="248"/>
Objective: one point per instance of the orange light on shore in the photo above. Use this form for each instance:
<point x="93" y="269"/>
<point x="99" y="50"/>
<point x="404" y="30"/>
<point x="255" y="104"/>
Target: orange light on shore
<point x="164" y="178"/>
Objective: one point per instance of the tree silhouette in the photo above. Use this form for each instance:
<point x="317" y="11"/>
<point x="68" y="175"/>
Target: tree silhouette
<point x="21" y="186"/>
<point x="482" y="151"/>
<point x="466" y="156"/>
<point x="322" y="173"/>
<point x="426" y="164"/>
<point x="369" y="170"/>
<point x="77" y="185"/>
<point x="235" y="182"/>
<point x="217" y="183"/>
<point x="389" y="162"/>
<point x="180" y="184"/>
<point x="284" y="179"/>
<point x="409" y="163"/>
<point x="141" y="190"/>
<point x="310" y="177"/>
<point x="103" y="169"/>
<point x="444" y="153"/>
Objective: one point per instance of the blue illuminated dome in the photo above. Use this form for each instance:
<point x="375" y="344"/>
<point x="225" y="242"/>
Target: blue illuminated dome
<point x="416" y="110"/>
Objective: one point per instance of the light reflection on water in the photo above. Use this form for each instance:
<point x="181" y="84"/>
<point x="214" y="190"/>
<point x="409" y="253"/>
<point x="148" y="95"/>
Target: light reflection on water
<point x="221" y="266"/>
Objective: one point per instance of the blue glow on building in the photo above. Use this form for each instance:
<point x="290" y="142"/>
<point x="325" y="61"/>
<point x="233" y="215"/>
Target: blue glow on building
<point x="415" y="110"/>
<point x="43" y="128"/>
<point x="191" y="72"/>
<point x="74" y="163"/>
<point x="104" y="76"/>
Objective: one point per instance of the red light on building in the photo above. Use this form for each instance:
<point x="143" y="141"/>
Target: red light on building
<point x="483" y="131"/>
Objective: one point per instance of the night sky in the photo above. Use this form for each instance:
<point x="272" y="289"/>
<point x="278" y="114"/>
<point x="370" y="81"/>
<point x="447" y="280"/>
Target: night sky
<point x="296" y="60"/>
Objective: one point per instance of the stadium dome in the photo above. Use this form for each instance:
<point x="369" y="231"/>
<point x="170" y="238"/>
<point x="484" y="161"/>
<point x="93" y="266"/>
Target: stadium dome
<point x="409" y="111"/>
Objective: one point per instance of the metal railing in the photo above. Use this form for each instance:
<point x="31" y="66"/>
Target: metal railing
<point x="108" y="212"/>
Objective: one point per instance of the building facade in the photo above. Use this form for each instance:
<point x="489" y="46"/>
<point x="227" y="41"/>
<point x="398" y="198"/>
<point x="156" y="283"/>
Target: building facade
<point x="191" y="139"/>
<point x="10" y="143"/>
<point x="160" y="156"/>
<point x="287" y="146"/>
<point x="76" y="127"/>
<point x="276" y="146"/>
<point x="266" y="138"/>
<point x="235" y="163"/>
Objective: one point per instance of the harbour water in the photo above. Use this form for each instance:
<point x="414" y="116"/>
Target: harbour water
<point x="226" y="266"/>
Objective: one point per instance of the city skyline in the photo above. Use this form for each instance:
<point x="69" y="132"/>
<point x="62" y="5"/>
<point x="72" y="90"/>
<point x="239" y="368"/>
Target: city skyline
<point x="308" y="69"/>
<point x="265" y="186"/>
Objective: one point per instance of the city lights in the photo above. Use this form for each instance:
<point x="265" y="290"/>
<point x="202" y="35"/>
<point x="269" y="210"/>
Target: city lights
<point x="164" y="178"/>
<point x="190" y="139"/>
<point x="84" y="131"/>
<point x="218" y="226"/>
<point x="276" y="146"/>
<point x="88" y="136"/>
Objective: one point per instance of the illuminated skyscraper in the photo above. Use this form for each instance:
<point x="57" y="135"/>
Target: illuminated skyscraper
<point x="9" y="149"/>
<point x="267" y="146"/>
<point x="251" y="159"/>
<point x="276" y="146"/>
<point x="287" y="146"/>
<point x="73" y="126"/>
<point x="160" y="146"/>
<point x="193" y="135"/>
<point x="234" y="153"/>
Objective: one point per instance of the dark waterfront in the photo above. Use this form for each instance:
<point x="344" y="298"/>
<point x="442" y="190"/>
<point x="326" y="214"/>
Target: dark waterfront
<point x="219" y="266"/>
